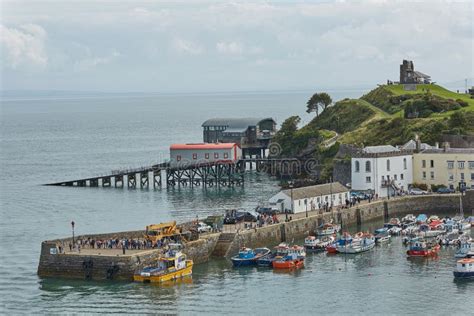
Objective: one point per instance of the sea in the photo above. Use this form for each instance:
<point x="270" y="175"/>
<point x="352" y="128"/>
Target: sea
<point x="65" y="136"/>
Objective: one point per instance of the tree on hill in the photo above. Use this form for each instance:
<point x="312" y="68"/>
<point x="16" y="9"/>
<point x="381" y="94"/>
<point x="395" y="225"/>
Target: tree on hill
<point x="318" y="100"/>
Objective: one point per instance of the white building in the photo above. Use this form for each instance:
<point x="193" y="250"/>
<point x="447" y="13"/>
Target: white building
<point x="310" y="198"/>
<point x="382" y="170"/>
<point x="202" y="153"/>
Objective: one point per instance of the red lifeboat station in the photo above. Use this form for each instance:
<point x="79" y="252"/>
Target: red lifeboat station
<point x="204" y="153"/>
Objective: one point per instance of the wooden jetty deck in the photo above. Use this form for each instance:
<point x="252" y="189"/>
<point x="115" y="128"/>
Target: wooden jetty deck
<point x="205" y="174"/>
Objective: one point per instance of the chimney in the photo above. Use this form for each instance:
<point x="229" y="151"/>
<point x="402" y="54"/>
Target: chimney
<point x="437" y="145"/>
<point x="418" y="143"/>
<point x="446" y="146"/>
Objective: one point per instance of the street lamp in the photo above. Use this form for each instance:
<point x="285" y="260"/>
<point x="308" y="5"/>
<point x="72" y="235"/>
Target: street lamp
<point x="306" y="204"/>
<point x="72" y="225"/>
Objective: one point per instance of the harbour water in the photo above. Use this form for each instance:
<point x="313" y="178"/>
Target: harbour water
<point x="67" y="137"/>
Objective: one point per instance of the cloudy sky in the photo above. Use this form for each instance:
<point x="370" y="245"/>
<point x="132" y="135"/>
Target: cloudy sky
<point x="203" y="46"/>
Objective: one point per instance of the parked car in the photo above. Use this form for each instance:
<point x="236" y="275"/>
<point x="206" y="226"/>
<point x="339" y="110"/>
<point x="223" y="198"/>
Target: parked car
<point x="265" y="210"/>
<point x="417" y="191"/>
<point x="235" y="216"/>
<point x="445" y="190"/>
<point x="359" y="195"/>
<point x="203" y="227"/>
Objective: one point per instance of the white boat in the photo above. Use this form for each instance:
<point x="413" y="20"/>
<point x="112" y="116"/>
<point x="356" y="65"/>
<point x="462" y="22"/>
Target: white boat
<point x="433" y="218"/>
<point x="357" y="245"/>
<point x="464" y="249"/>
<point x="328" y="229"/>
<point x="408" y="218"/>
<point x="464" y="268"/>
<point x="395" y="230"/>
<point x="312" y="243"/>
<point x="383" y="238"/>
<point x="432" y="233"/>
<point x="464" y="225"/>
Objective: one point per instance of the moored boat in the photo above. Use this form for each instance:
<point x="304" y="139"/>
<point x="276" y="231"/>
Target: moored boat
<point x="172" y="266"/>
<point x="464" y="269"/>
<point x="395" y="230"/>
<point x="422" y="248"/>
<point x="313" y="244"/>
<point x="290" y="261"/>
<point x="465" y="248"/>
<point x="360" y="243"/>
<point x="382" y="238"/>
<point x="328" y="229"/>
<point x="248" y="257"/>
<point x="279" y="251"/>
<point x="422" y="218"/>
<point x="408" y="218"/>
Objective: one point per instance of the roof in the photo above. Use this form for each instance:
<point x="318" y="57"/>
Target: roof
<point x="448" y="151"/>
<point x="380" y="149"/>
<point x="202" y="146"/>
<point x="316" y="190"/>
<point x="411" y="144"/>
<point x="420" y="74"/>
<point x="235" y="124"/>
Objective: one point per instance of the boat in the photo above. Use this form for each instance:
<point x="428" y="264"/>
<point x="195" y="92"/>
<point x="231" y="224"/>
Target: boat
<point x="382" y="230"/>
<point x="248" y="257"/>
<point x="419" y="247"/>
<point x="172" y="266"/>
<point x="408" y="218"/>
<point x="394" y="222"/>
<point x="464" y="269"/>
<point x="395" y="230"/>
<point x="360" y="243"/>
<point x="433" y="218"/>
<point x="464" y="249"/>
<point x="328" y="229"/>
<point x="313" y="244"/>
<point x="279" y="251"/>
<point x="290" y="261"/>
<point x="422" y="218"/>
<point x="463" y="225"/>
<point x="298" y="251"/>
<point x="382" y="238"/>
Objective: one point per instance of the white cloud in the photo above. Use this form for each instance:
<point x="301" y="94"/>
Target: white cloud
<point x="232" y="48"/>
<point x="92" y="62"/>
<point x="187" y="47"/>
<point x="24" y="46"/>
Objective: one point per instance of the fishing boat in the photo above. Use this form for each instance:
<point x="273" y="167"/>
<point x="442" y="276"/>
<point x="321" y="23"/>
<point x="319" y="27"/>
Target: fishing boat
<point x="393" y="223"/>
<point x="408" y="218"/>
<point x="419" y="247"/>
<point x="328" y="229"/>
<point x="172" y="266"/>
<point x="420" y="219"/>
<point x="382" y="238"/>
<point x="382" y="230"/>
<point x="248" y="257"/>
<point x="463" y="225"/>
<point x="290" y="261"/>
<point x="313" y="244"/>
<point x="395" y="230"/>
<point x="433" y="218"/>
<point x="279" y="251"/>
<point x="360" y="243"/>
<point x="464" y="249"/>
<point x="464" y="269"/>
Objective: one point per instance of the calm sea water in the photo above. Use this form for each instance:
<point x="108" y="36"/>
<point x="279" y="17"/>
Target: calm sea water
<point x="52" y="139"/>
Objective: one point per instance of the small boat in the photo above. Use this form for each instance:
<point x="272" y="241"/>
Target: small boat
<point x="360" y="243"/>
<point x="382" y="230"/>
<point x="464" y="248"/>
<point x="433" y="218"/>
<point x="408" y="218"/>
<point x="279" y="251"/>
<point x="394" y="222"/>
<point x="395" y="230"/>
<point x="382" y="238"/>
<point x="290" y="261"/>
<point x="463" y="225"/>
<point x="313" y="244"/>
<point x="332" y="248"/>
<point x="422" y="218"/>
<point x="298" y="251"/>
<point x="172" y="266"/>
<point x="464" y="269"/>
<point x="328" y="229"/>
<point x="422" y="248"/>
<point x="248" y="257"/>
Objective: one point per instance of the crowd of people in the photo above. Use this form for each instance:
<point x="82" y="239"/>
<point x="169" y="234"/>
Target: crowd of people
<point x="266" y="219"/>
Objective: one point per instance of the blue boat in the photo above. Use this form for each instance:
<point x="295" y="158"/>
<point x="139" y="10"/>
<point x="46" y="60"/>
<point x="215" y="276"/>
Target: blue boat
<point x="422" y="218"/>
<point x="249" y="257"/>
<point x="267" y="260"/>
<point x="383" y="230"/>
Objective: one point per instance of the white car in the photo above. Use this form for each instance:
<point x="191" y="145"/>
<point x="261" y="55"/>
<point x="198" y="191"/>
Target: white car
<point x="416" y="191"/>
<point x="203" y="227"/>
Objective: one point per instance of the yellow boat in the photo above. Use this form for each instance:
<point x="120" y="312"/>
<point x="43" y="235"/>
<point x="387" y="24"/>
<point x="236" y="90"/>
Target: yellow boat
<point x="171" y="267"/>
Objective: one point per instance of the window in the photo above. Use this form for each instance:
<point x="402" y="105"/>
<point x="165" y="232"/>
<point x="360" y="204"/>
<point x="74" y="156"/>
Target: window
<point x="424" y="175"/>
<point x="471" y="164"/>
<point x="404" y="163"/>
<point x="432" y="175"/>
<point x="401" y="176"/>
<point x="195" y="156"/>
<point x="472" y="176"/>
<point x="226" y="155"/>
<point x="461" y="164"/>
<point x="216" y="155"/>
<point x="395" y="176"/>
<point x="367" y="179"/>
<point x="206" y="155"/>
<point x="431" y="163"/>
<point x="178" y="158"/>
<point x="383" y="178"/>
<point x="388" y="164"/>
<point x="462" y="175"/>
<point x="317" y="199"/>
<point x="423" y="163"/>
<point x="451" y="187"/>
<point x="367" y="166"/>
<point x="450" y="164"/>
<point x="451" y="177"/>
<point x="357" y="166"/>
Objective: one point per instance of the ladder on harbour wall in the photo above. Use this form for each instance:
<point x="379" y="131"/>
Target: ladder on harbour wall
<point x="224" y="244"/>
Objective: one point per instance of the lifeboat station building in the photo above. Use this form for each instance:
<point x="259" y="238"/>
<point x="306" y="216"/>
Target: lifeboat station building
<point x="253" y="135"/>
<point x="183" y="155"/>
<point x="309" y="198"/>
<point x="382" y="170"/>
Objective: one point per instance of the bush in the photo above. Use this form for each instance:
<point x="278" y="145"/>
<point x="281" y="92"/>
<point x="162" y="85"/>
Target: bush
<point x="435" y="187"/>
<point x="462" y="103"/>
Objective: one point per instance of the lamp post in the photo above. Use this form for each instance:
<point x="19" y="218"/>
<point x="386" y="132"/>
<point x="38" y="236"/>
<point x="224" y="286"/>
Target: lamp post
<point x="72" y="225"/>
<point x="290" y="184"/>
<point x="306" y="205"/>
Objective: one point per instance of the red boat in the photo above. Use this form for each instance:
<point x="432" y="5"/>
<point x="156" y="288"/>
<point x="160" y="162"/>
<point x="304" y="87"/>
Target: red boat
<point x="422" y="248"/>
<point x="331" y="248"/>
<point x="288" y="262"/>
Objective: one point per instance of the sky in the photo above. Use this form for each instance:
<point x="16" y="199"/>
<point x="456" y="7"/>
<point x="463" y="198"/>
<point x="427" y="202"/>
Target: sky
<point x="213" y="46"/>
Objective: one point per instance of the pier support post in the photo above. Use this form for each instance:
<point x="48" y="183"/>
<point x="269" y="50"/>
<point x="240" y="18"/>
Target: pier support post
<point x="144" y="179"/>
<point x="106" y="182"/>
<point x="132" y="181"/>
<point x="358" y="217"/>
<point x="118" y="181"/>
<point x="94" y="183"/>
